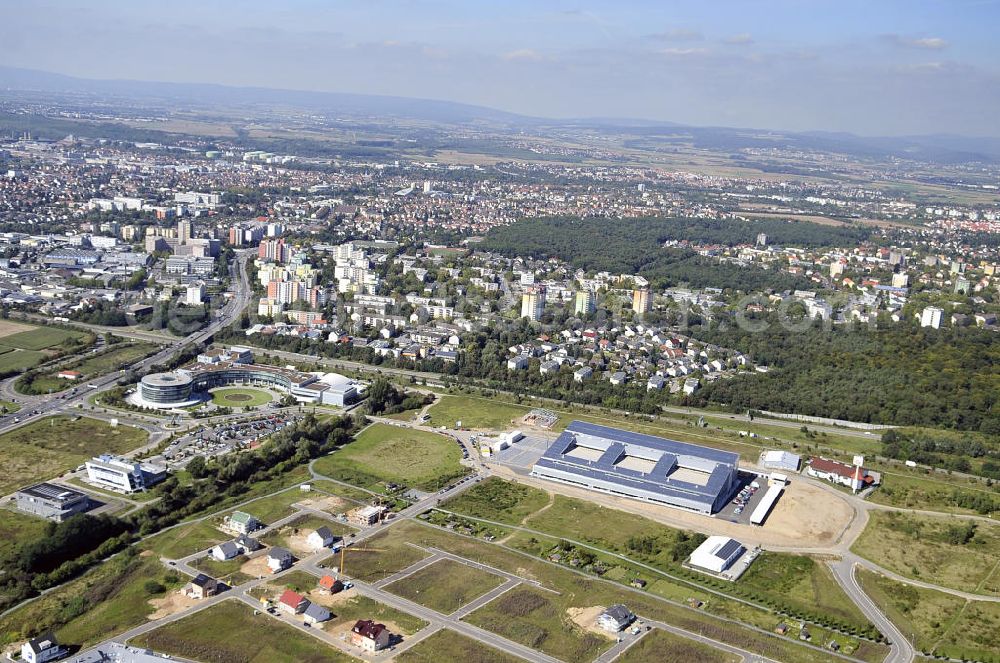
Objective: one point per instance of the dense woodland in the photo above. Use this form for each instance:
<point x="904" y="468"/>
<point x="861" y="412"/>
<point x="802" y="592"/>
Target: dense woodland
<point x="903" y="374"/>
<point x="635" y="246"/>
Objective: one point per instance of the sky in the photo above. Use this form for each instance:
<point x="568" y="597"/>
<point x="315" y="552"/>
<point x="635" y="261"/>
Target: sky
<point x="871" y="67"/>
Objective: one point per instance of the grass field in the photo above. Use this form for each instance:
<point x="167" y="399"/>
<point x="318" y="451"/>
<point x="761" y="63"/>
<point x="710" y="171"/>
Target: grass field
<point x="123" y="354"/>
<point x="185" y="540"/>
<point x="7" y="407"/>
<point x="17" y="528"/>
<point x="19" y="360"/>
<point x="40" y="338"/>
<point x="273" y="507"/>
<point x="379" y="557"/>
<point x="946" y="551"/>
<point x="446" y="645"/>
<point x="576" y="591"/>
<point x="475" y="413"/>
<point x="230" y="632"/>
<point x="935" y="493"/>
<point x="498" y="500"/>
<point x="384" y="453"/>
<point x="358" y="607"/>
<point x="659" y="645"/>
<point x="108" y="599"/>
<point x="304" y="525"/>
<point x="240" y="397"/>
<point x="50" y="446"/>
<point x="227" y="571"/>
<point x="445" y="585"/>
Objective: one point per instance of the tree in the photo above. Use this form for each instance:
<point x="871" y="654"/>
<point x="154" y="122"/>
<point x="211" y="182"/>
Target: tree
<point x="196" y="466"/>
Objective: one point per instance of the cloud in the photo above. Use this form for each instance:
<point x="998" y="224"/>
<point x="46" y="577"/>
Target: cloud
<point x="742" y="39"/>
<point x="925" y="43"/>
<point x="677" y="34"/>
<point x="683" y="52"/>
<point x="523" y="55"/>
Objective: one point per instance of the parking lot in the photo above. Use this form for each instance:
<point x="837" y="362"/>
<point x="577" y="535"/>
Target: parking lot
<point x="218" y="439"/>
<point x="522" y="454"/>
<point x="749" y="503"/>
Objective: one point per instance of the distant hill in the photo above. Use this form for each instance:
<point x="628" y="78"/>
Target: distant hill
<point x="935" y="148"/>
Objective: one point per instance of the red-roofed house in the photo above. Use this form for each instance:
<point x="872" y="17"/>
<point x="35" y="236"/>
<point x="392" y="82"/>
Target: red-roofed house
<point x="292" y="603"/>
<point x="854" y="477"/>
<point x="370" y="636"/>
<point x="331" y="585"/>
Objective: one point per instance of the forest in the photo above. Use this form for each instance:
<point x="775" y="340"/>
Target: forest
<point x="903" y="374"/>
<point x="635" y="246"/>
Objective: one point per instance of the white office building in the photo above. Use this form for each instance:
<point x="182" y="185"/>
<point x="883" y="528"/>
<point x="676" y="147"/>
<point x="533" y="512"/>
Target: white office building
<point x="122" y="475"/>
<point x="931" y="317"/>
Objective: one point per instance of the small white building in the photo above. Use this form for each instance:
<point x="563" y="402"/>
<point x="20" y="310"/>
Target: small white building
<point x="320" y="538"/>
<point x="41" y="649"/>
<point x="195" y="293"/>
<point x="716" y="554"/>
<point x="225" y="551"/>
<point x="615" y="619"/>
<point x="776" y="459"/>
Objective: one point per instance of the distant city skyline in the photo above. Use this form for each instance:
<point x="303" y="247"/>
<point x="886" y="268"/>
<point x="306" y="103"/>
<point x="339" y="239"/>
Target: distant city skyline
<point x="882" y="67"/>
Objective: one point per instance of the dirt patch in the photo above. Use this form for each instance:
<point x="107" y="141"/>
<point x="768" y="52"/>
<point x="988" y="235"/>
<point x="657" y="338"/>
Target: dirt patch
<point x="170" y="604"/>
<point x="297" y="543"/>
<point x="586" y="618"/>
<point x="256" y="567"/>
<point x="808" y="518"/>
<point x="328" y="600"/>
<point x="146" y="553"/>
<point x="8" y="328"/>
<point x="330" y="504"/>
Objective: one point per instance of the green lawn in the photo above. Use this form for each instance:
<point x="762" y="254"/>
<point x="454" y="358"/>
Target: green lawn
<point x="538" y="620"/>
<point x="273" y="507"/>
<point x="7" y="407"/>
<point x="185" y="540"/>
<point x="49" y="447"/>
<point x="113" y="359"/>
<point x="240" y="397"/>
<point x="378" y="557"/>
<point x="230" y="632"/>
<point x="40" y="338"/>
<point x="17" y="528"/>
<point x="475" y="412"/>
<point x="108" y="599"/>
<point x="498" y="500"/>
<point x="20" y="360"/>
<point x="358" y="607"/>
<point x="227" y="571"/>
<point x="304" y="524"/>
<point x="659" y="645"/>
<point x="915" y="490"/>
<point x="446" y="645"/>
<point x="445" y="585"/>
<point x="946" y="551"/>
<point x="385" y="453"/>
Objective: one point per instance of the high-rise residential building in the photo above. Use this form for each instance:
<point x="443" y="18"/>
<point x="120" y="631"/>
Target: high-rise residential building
<point x="273" y="250"/>
<point x="586" y="302"/>
<point x="761" y="239"/>
<point x="533" y="302"/>
<point x="642" y="301"/>
<point x="931" y="317"/>
<point x="183" y="231"/>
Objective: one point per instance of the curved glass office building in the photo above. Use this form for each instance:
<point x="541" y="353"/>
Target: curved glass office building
<point x="166" y="388"/>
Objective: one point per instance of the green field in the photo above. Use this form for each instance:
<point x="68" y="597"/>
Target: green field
<point x="240" y="397"/>
<point x="917" y="490"/>
<point x="345" y="613"/>
<point x="230" y="632"/>
<point x="947" y="551"/>
<point x="20" y="360"/>
<point x="445" y="585"/>
<point x="476" y="413"/>
<point x="17" y="528"/>
<point x="40" y="338"/>
<point x="7" y="407"/>
<point x="48" y="447"/>
<point x="304" y="524"/>
<point x="446" y="645"/>
<point x="185" y="540"/>
<point x="940" y="623"/>
<point x="384" y="453"/>
<point x="273" y="507"/>
<point x="113" y="359"/>
<point x="110" y="598"/>
<point x="379" y="557"/>
<point x="659" y="645"/>
<point x="499" y="500"/>
<point x="227" y="571"/>
<point x="577" y="591"/>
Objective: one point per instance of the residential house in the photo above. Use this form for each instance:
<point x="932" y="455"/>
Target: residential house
<point x="854" y="477"/>
<point x="320" y="538"/>
<point x="279" y="559"/>
<point x="247" y="544"/>
<point x="292" y="603"/>
<point x="330" y="584"/>
<point x="370" y="636"/>
<point x="315" y="613"/>
<point x="202" y="587"/>
<point x="615" y="619"/>
<point x="583" y="373"/>
<point x="41" y="649"/>
<point x="225" y="551"/>
<point x="242" y="522"/>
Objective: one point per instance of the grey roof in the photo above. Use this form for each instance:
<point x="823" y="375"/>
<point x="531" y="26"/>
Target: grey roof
<point x="613" y="445"/>
<point x="619" y="613"/>
<point x="229" y="549"/>
<point x="317" y="612"/>
<point x="202" y="580"/>
<point x="279" y="553"/>
<point x="48" y="491"/>
<point x="324" y="532"/>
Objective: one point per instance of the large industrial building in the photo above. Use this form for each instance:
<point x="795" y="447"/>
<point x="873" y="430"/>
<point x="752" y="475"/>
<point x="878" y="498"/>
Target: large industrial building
<point x="641" y="467"/>
<point x="219" y="368"/>
<point x="51" y="501"/>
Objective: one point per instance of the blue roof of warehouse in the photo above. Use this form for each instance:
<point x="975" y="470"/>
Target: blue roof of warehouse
<point x="657" y="480"/>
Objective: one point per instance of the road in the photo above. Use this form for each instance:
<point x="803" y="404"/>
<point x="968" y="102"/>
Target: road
<point x="901" y="650"/>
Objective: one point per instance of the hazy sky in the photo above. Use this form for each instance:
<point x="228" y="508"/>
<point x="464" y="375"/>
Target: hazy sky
<point x="876" y="67"/>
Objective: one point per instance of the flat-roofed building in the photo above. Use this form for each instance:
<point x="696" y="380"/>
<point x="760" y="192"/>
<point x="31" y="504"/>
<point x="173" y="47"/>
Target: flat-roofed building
<point x="123" y="475"/>
<point x="641" y="467"/>
<point x="717" y="553"/>
<point x="50" y="501"/>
